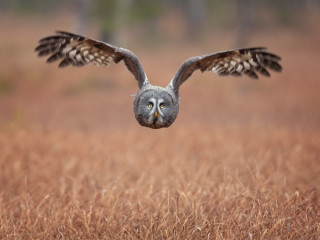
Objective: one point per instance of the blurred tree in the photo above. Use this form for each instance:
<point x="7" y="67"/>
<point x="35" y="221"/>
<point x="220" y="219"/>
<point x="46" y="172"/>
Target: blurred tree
<point x="114" y="15"/>
<point x="82" y="15"/>
<point x="244" y="13"/>
<point x="32" y="6"/>
<point x="104" y="13"/>
<point x="4" y="4"/>
<point x="287" y="12"/>
<point x="121" y="20"/>
<point x="145" y="13"/>
<point x="196" y="17"/>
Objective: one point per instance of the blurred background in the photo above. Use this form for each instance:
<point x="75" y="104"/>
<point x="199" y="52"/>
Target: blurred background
<point x="243" y="154"/>
<point x="162" y="34"/>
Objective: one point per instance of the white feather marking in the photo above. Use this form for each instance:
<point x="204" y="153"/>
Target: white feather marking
<point x="230" y="68"/>
<point x="215" y="69"/>
<point x="233" y="63"/>
<point x="220" y="70"/>
<point x="237" y="59"/>
<point x="96" y="54"/>
<point x="253" y="63"/>
<point x="84" y="48"/>
<point x="85" y="53"/>
<point x="239" y="68"/>
<point x="66" y="49"/>
<point x="91" y="57"/>
<point x="79" y="57"/>
<point x="226" y="65"/>
<point x="87" y="60"/>
<point x="246" y="65"/>
<point x="72" y="53"/>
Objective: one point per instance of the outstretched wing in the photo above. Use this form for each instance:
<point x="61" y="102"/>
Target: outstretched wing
<point x="235" y="62"/>
<point x="78" y="50"/>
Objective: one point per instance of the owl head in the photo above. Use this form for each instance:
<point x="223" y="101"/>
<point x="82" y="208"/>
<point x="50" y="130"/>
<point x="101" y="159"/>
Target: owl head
<point x="155" y="107"/>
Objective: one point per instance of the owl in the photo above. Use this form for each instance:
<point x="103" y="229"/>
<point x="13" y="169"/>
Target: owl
<point x="155" y="107"/>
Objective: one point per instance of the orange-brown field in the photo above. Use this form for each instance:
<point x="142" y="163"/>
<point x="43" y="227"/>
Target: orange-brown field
<point x="242" y="161"/>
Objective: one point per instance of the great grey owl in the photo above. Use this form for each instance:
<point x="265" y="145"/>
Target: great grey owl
<point x="155" y="107"/>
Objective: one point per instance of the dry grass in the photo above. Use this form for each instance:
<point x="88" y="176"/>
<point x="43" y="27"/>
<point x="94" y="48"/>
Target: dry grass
<point x="240" y="162"/>
<point x="58" y="185"/>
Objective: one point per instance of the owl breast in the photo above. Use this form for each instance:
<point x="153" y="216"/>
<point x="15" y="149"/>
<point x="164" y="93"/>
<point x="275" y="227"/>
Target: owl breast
<point x="156" y="107"/>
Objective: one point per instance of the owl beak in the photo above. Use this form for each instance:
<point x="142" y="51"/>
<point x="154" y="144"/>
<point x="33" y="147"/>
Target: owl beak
<point x="156" y="114"/>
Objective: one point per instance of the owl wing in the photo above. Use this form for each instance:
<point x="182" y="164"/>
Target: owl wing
<point x="78" y="50"/>
<point x="235" y="62"/>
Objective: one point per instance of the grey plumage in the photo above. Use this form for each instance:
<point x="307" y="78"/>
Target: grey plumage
<point x="154" y="106"/>
<point x="164" y="101"/>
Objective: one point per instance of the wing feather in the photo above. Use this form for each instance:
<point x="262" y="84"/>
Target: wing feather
<point x="248" y="61"/>
<point x="76" y="50"/>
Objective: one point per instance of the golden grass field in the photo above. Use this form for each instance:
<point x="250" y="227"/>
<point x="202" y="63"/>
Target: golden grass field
<point x="242" y="160"/>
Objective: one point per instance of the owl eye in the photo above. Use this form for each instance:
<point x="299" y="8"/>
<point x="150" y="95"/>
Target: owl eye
<point x="150" y="105"/>
<point x="162" y="106"/>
